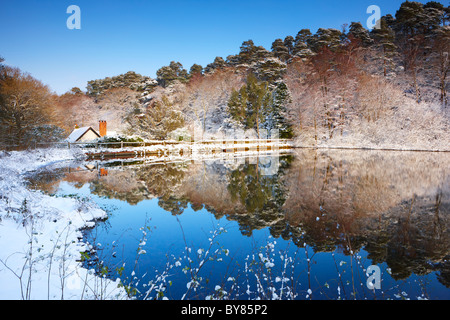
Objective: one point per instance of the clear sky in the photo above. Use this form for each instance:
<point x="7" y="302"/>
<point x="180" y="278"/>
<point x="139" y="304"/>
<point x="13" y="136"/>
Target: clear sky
<point x="142" y="36"/>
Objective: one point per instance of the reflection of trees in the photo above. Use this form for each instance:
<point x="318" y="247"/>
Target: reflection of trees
<point x="250" y="188"/>
<point x="206" y="187"/>
<point x="122" y="185"/>
<point x="261" y="195"/>
<point x="175" y="205"/>
<point x="164" y="180"/>
<point x="444" y="272"/>
<point x="46" y="181"/>
<point x="419" y="239"/>
<point x="394" y="205"/>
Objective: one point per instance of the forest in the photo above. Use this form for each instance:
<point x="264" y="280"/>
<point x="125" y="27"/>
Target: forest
<point x="380" y="88"/>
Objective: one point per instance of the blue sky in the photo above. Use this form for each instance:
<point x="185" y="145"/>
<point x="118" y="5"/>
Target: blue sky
<point x="142" y="36"/>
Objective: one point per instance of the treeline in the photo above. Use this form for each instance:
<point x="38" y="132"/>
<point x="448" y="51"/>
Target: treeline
<point x="131" y="79"/>
<point x="382" y="88"/>
<point x="348" y="83"/>
<point x="26" y="109"/>
<point x="417" y="37"/>
<point x="327" y="82"/>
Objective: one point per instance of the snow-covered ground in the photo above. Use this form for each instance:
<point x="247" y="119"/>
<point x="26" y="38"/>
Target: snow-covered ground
<point x="40" y="247"/>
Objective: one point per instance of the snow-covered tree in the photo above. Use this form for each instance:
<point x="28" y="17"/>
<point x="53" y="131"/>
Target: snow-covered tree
<point x="276" y="112"/>
<point x="250" y="53"/>
<point x="168" y="74"/>
<point x="219" y="63"/>
<point x="360" y="33"/>
<point x="326" y="38"/>
<point x="131" y="80"/>
<point x="195" y="69"/>
<point x="26" y="103"/>
<point x="161" y="119"/>
<point x="270" y="70"/>
<point x="302" y="42"/>
<point x="440" y="59"/>
<point x="289" y="42"/>
<point x="280" y="50"/>
<point x="384" y="38"/>
<point x="249" y="105"/>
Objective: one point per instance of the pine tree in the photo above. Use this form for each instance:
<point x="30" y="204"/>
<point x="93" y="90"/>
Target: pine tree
<point x="360" y="33"/>
<point x="162" y="118"/>
<point x="219" y="63"/>
<point x="233" y="60"/>
<point x="248" y="106"/>
<point x="301" y="45"/>
<point x="247" y="50"/>
<point x="441" y="60"/>
<point x="270" y="70"/>
<point x="250" y="53"/>
<point x="280" y="50"/>
<point x="195" y="70"/>
<point x="259" y="54"/>
<point x="384" y="39"/>
<point x="326" y="38"/>
<point x="237" y="104"/>
<point x="168" y="74"/>
<point x="289" y="42"/>
<point x="409" y="18"/>
<point x="434" y="16"/>
<point x="275" y="114"/>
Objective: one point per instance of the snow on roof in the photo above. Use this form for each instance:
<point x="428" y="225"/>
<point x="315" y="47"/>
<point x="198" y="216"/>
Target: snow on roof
<point x="78" y="133"/>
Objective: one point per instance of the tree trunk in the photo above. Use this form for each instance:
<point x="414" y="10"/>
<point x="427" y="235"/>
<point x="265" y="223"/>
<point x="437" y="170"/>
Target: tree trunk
<point x="19" y="130"/>
<point x="444" y="71"/>
<point x="416" y="86"/>
<point x="257" y="126"/>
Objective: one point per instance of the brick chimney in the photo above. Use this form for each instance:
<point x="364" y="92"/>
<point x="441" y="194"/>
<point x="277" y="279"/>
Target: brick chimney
<point x="102" y="128"/>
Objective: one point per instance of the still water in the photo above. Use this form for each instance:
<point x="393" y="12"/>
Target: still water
<point x="308" y="224"/>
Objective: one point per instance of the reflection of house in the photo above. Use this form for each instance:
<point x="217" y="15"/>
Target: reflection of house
<point x="87" y="134"/>
<point x="90" y="167"/>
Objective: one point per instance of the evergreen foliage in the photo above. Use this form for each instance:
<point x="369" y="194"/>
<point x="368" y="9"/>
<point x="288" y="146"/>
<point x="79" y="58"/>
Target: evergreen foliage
<point x="131" y="80"/>
<point x="168" y="74"/>
<point x="255" y="105"/>
<point x="162" y="119"/>
<point x="195" y="69"/>
<point x="248" y="105"/>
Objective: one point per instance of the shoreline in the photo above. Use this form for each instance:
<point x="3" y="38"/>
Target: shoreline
<point x="41" y="236"/>
<point x="369" y="148"/>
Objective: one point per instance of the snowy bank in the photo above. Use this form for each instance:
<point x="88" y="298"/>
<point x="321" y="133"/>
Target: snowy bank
<point x="40" y="235"/>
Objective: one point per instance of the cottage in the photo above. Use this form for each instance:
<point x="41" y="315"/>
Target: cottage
<point x="85" y="134"/>
<point x="88" y="134"/>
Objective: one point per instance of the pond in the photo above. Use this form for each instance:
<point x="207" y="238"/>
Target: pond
<point x="306" y="224"/>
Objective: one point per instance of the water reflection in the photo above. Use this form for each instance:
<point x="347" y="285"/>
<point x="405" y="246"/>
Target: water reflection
<point x="396" y="205"/>
<point x="393" y="205"/>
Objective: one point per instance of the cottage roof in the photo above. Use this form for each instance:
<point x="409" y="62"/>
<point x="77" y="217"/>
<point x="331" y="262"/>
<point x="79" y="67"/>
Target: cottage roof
<point x="78" y="133"/>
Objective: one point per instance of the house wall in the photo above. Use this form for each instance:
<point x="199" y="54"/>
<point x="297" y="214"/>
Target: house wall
<point x="88" y="136"/>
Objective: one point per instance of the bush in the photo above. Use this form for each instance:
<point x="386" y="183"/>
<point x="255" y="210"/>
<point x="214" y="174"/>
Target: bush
<point x="118" y="141"/>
